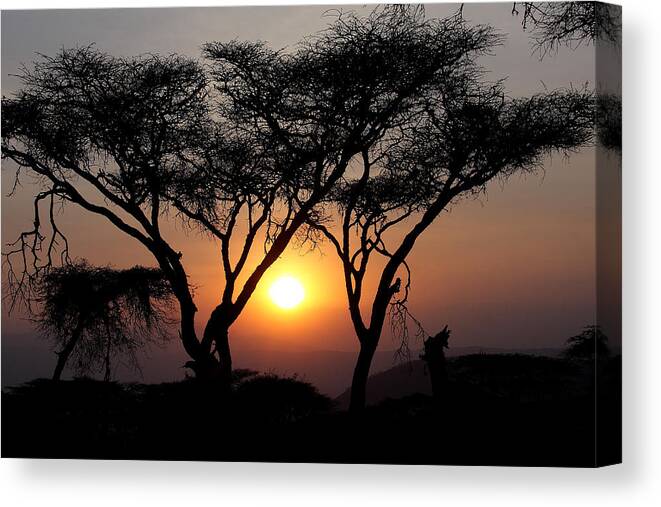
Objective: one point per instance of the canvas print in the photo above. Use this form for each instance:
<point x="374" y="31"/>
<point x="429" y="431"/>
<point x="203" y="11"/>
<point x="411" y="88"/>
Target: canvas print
<point x="347" y="234"/>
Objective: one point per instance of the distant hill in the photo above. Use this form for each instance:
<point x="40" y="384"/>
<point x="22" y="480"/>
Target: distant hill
<point x="331" y="371"/>
<point x="514" y="375"/>
<point x="396" y="382"/>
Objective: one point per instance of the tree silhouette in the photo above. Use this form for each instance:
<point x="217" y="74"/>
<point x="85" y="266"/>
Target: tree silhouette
<point x="461" y="135"/>
<point x="99" y="314"/>
<point x="104" y="134"/>
<point x="590" y="344"/>
<point x="260" y="142"/>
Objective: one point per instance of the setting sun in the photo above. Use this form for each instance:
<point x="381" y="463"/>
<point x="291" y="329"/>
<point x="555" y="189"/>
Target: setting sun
<point x="287" y="292"/>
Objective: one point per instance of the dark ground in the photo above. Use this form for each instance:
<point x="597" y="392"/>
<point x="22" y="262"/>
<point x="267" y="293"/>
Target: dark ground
<point x="501" y="410"/>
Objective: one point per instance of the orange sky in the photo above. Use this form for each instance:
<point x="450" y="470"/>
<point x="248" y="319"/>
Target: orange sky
<point x="495" y="269"/>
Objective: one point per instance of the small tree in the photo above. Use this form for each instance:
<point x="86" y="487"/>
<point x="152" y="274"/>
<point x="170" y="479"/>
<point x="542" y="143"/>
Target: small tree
<point x="590" y="344"/>
<point x="462" y="136"/>
<point x="95" y="315"/>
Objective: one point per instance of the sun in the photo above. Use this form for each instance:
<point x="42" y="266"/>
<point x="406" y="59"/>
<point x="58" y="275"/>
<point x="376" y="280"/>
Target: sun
<point x="287" y="292"/>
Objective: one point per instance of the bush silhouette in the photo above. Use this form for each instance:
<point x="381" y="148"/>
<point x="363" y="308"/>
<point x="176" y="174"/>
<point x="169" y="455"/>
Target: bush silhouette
<point x="590" y="344"/>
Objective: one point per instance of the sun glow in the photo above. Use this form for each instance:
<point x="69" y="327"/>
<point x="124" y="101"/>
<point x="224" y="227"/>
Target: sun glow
<point x="287" y="292"/>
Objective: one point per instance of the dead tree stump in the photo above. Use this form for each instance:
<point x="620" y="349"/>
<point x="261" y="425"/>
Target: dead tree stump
<point x="434" y="357"/>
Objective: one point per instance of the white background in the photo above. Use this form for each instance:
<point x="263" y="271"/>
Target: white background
<point x="636" y="482"/>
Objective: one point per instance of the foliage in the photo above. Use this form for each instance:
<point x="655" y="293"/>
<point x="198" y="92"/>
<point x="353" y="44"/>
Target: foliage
<point x="609" y="121"/>
<point x="110" y="313"/>
<point x="554" y="24"/>
<point x="280" y="399"/>
<point x="89" y="127"/>
<point x="590" y="344"/>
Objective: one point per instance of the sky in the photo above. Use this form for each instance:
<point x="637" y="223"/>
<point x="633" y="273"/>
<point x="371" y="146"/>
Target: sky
<point x="513" y="269"/>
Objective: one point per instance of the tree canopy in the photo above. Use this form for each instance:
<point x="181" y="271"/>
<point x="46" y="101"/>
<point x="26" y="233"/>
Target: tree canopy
<point x="96" y="315"/>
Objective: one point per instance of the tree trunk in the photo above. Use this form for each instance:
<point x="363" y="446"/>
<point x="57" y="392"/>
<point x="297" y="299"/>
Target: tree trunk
<point x="369" y="340"/>
<point x="360" y="375"/>
<point x="224" y="355"/>
<point x="216" y="332"/>
<point x="63" y="355"/>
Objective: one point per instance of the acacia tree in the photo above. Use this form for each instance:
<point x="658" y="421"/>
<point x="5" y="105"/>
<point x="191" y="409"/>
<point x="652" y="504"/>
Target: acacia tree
<point x="103" y="134"/>
<point x="95" y="315"/>
<point x="137" y="141"/>
<point x="464" y="135"/>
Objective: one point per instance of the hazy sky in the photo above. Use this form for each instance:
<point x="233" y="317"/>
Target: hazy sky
<point x="514" y="269"/>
